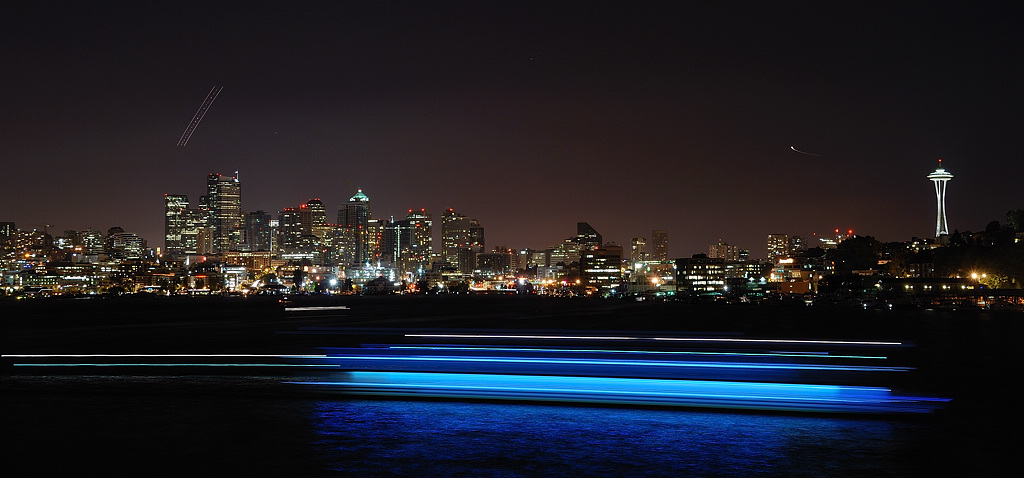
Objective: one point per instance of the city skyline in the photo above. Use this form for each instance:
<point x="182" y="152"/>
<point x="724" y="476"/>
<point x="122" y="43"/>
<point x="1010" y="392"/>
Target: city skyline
<point x="716" y="122"/>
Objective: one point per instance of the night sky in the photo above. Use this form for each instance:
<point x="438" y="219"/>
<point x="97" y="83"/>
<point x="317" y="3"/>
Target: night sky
<point x="527" y="116"/>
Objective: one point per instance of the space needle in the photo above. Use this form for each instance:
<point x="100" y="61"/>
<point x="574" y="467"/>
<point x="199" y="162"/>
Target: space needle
<point x="940" y="177"/>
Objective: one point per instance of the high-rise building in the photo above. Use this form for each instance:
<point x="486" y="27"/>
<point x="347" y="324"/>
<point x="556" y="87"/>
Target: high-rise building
<point x="638" y="251"/>
<point x="314" y="216"/>
<point x="289" y="231"/>
<point x="460" y="234"/>
<point x="409" y="242"/>
<point x="420" y="240"/>
<point x="778" y="246"/>
<point x="257" y="232"/>
<point x="175" y="223"/>
<point x="700" y="275"/>
<point x="724" y="251"/>
<point x="940" y="177"/>
<point x="601" y="268"/>
<point x="355" y="216"/>
<point x="224" y="198"/>
<point x="587" y="238"/>
<point x="797" y="244"/>
<point x="7" y="231"/>
<point x="659" y="245"/>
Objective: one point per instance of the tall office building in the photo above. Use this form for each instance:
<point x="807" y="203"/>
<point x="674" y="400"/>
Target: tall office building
<point x="940" y="177"/>
<point x="461" y="238"/>
<point x="587" y="238"/>
<point x="257" y="232"/>
<point x="778" y="246"/>
<point x="314" y="216"/>
<point x="355" y="217"/>
<point x="7" y="231"/>
<point x="724" y="251"/>
<point x="638" y="250"/>
<point x="700" y="275"/>
<point x="601" y="268"/>
<point x="289" y="231"/>
<point x="175" y="223"/>
<point x="224" y="198"/>
<point x="409" y="242"/>
<point x="420" y="240"/>
<point x="659" y="245"/>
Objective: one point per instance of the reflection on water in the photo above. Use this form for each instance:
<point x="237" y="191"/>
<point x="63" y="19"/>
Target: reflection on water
<point x="258" y="426"/>
<point x="495" y="439"/>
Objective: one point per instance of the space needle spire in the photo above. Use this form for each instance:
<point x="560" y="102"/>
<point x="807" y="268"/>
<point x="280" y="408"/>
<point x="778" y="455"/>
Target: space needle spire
<point x="940" y="177"/>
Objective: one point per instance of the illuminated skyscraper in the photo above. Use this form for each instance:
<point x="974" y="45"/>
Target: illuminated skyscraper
<point x="778" y="247"/>
<point x="587" y="238"/>
<point x="724" y="251"/>
<point x="224" y="198"/>
<point x="289" y="231"/>
<point x="355" y="217"/>
<point x="175" y="223"/>
<point x="940" y="177"/>
<point x="420" y="240"/>
<point x="461" y="239"/>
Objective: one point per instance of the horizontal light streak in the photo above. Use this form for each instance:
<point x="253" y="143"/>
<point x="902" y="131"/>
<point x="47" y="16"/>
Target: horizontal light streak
<point x="643" y="363"/>
<point x="679" y="339"/>
<point x="729" y="394"/>
<point x="307" y="309"/>
<point x="156" y="355"/>
<point x="654" y="352"/>
<point x="164" y="365"/>
<point x="43" y="357"/>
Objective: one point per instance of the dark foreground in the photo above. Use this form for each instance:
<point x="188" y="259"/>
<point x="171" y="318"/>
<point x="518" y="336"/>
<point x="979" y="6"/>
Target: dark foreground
<point x="186" y="421"/>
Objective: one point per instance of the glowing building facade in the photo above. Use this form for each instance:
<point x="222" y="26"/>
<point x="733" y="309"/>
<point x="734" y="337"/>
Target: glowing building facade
<point x="224" y="199"/>
<point x="175" y="223"/>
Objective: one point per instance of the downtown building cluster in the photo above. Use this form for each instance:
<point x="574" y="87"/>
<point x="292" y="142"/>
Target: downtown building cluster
<point x="300" y="248"/>
<point x="215" y="246"/>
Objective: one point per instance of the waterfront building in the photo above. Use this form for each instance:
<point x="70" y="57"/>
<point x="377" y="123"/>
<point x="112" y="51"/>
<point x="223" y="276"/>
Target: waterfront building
<point x="700" y="275"/>
<point x="601" y="268"/>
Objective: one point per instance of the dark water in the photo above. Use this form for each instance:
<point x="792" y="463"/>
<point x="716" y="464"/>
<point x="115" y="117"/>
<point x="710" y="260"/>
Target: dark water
<point x="257" y="426"/>
<point x="237" y="425"/>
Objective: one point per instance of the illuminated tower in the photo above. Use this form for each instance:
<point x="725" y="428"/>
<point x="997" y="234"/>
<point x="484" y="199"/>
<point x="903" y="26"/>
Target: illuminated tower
<point x="940" y="177"/>
<point x="224" y="198"/>
<point x="355" y="217"/>
<point x="175" y="211"/>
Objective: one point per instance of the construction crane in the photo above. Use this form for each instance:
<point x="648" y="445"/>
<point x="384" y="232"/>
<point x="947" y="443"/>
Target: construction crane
<point x="199" y="115"/>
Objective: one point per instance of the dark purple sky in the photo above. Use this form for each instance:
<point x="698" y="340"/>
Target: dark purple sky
<point x="529" y="116"/>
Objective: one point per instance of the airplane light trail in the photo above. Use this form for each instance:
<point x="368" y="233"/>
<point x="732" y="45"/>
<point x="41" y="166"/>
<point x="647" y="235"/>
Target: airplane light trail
<point x="803" y="152"/>
<point x="199" y="115"/>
